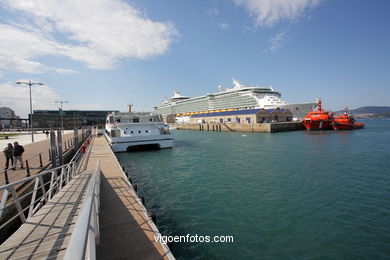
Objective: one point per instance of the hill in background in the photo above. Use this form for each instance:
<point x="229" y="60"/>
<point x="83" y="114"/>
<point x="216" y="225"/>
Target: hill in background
<point x="370" y="112"/>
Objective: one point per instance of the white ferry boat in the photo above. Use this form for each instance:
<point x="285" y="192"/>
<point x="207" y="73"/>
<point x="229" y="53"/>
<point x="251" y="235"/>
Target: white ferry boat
<point x="238" y="97"/>
<point x="128" y="130"/>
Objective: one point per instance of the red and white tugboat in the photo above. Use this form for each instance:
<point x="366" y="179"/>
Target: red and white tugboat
<point x="346" y="122"/>
<point x="318" y="119"/>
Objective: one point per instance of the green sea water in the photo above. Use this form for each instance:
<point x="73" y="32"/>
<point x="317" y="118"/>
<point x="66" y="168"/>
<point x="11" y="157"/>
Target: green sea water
<point x="290" y="195"/>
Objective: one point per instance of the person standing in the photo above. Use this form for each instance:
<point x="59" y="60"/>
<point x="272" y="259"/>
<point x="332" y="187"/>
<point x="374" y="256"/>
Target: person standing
<point x="18" y="151"/>
<point x="9" y="153"/>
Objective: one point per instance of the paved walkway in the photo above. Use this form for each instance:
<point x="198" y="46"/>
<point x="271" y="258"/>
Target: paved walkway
<point x="126" y="232"/>
<point x="33" y="149"/>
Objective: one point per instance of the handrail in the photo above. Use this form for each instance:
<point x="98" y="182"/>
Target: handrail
<point x="86" y="231"/>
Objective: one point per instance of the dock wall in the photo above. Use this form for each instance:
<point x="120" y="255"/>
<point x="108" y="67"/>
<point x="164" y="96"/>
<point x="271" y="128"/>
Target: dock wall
<point x="261" y="127"/>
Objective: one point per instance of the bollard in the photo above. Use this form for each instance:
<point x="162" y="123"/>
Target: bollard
<point x="6" y="176"/>
<point x="27" y="169"/>
<point x="40" y="160"/>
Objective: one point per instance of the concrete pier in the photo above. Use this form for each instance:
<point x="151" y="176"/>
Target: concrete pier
<point x="261" y="127"/>
<point x="31" y="154"/>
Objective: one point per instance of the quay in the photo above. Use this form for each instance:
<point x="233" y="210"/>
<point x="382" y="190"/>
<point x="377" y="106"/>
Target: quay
<point x="87" y="209"/>
<point x="37" y="156"/>
<point x="256" y="127"/>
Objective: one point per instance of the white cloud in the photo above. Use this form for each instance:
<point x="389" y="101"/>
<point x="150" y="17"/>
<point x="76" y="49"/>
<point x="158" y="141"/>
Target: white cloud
<point x="270" y="12"/>
<point x="17" y="97"/>
<point x="277" y="41"/>
<point x="213" y="12"/>
<point x="224" y="26"/>
<point x="98" y="33"/>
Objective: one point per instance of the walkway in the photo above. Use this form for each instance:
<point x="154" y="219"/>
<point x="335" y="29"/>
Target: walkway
<point x="34" y="163"/>
<point x="126" y="232"/>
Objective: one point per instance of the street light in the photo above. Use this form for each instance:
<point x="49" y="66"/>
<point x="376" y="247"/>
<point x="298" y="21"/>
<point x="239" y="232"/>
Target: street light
<point x="62" y="112"/>
<point x="29" y="83"/>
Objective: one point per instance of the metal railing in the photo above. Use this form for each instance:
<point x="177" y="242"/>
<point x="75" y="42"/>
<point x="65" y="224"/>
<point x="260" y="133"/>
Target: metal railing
<point x="86" y="234"/>
<point x="47" y="184"/>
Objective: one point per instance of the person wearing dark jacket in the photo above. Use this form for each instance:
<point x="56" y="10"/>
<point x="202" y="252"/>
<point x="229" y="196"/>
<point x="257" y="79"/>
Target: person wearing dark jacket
<point x="9" y="153"/>
<point x="18" y="151"/>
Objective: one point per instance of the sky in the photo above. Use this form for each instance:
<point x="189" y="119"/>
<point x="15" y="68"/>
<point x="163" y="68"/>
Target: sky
<point x="105" y="54"/>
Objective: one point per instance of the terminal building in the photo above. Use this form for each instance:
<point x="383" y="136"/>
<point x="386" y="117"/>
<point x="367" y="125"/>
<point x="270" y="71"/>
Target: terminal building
<point x="70" y="118"/>
<point x="243" y="116"/>
<point x="8" y="118"/>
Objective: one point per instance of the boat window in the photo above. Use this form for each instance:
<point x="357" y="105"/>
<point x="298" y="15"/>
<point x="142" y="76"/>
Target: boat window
<point x="132" y="132"/>
<point x="248" y="120"/>
<point x="135" y="120"/>
<point x="229" y="120"/>
<point x="150" y="119"/>
<point x="139" y="131"/>
<point x="238" y="120"/>
<point x="221" y="120"/>
<point x="146" y="131"/>
<point x="118" y="120"/>
<point x="124" y="132"/>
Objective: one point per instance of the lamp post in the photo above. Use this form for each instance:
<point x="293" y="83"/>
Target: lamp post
<point x="30" y="83"/>
<point x="62" y="112"/>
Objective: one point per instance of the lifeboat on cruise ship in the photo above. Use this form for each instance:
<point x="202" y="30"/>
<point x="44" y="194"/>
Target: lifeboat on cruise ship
<point x="346" y="122"/>
<point x="318" y="119"/>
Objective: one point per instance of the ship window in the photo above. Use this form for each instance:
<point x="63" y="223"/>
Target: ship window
<point x="248" y="120"/>
<point x="229" y="120"/>
<point x="135" y="120"/>
<point x="139" y="131"/>
<point x="124" y="132"/>
<point x="221" y="120"/>
<point x="238" y="120"/>
<point x="118" y="120"/>
<point x="146" y="131"/>
<point x="132" y="132"/>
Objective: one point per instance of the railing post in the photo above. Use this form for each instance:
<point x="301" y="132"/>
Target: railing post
<point x="18" y="206"/>
<point x="49" y="155"/>
<point x="27" y="169"/>
<point x="75" y="139"/>
<point x="30" y="211"/>
<point x="40" y="160"/>
<point x="53" y="149"/>
<point x="59" y="142"/>
<point x="6" y="176"/>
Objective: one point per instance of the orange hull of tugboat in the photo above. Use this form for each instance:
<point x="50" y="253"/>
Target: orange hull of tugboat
<point x="346" y="122"/>
<point x="319" y="119"/>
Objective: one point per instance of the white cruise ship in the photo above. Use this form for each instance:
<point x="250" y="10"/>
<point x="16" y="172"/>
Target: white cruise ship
<point x="237" y="97"/>
<point x="127" y="130"/>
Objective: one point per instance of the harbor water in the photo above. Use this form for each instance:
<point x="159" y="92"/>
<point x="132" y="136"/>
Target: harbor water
<point x="290" y="195"/>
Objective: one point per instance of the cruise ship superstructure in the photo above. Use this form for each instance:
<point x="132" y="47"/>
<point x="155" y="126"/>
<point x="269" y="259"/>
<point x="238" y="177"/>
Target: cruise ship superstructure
<point x="235" y="98"/>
